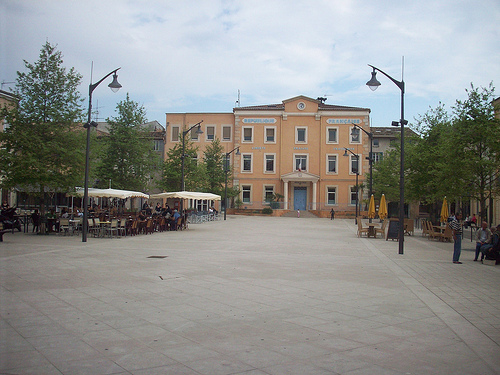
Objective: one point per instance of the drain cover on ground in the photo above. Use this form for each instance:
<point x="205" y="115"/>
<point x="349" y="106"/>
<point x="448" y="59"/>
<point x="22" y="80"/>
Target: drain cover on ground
<point x="157" y="256"/>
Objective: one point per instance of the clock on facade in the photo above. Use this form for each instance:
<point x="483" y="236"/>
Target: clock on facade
<point x="301" y="106"/>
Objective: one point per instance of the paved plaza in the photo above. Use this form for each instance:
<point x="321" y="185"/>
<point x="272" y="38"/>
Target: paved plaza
<point x="249" y="295"/>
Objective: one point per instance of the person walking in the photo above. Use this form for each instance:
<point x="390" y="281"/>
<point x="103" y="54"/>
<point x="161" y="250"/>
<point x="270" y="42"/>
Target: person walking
<point x="332" y="214"/>
<point x="456" y="227"/>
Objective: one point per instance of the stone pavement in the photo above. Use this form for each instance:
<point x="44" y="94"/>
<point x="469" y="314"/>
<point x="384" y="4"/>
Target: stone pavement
<point x="250" y="295"/>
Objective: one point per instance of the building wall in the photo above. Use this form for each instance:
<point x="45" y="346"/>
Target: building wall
<point x="286" y="120"/>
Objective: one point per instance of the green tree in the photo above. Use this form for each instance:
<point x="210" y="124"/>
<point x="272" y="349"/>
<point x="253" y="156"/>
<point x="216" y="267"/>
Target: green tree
<point x="194" y="174"/>
<point x="126" y="155"/>
<point x="213" y="158"/>
<point x="476" y="152"/>
<point x="43" y="147"/>
<point x="428" y="161"/>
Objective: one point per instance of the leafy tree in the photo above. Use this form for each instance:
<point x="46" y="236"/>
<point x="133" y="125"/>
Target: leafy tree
<point x="213" y="158"/>
<point x="427" y="158"/>
<point x="127" y="157"/>
<point x="476" y="152"/>
<point x="194" y="174"/>
<point x="43" y="147"/>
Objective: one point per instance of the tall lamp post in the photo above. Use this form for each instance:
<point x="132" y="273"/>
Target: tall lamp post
<point x="357" y="174"/>
<point x="226" y="171"/>
<point x="373" y="84"/>
<point x="114" y="86"/>
<point x="198" y="131"/>
<point x="370" y="160"/>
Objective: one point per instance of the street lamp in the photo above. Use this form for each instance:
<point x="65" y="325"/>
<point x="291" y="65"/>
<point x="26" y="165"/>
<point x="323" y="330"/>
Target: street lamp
<point x="226" y="171"/>
<point x="198" y="131"/>
<point x="114" y="86"/>
<point x="357" y="174"/>
<point x="373" y="84"/>
<point x="370" y="160"/>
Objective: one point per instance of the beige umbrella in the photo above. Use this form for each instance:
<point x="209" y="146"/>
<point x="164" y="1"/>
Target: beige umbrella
<point x="382" y="210"/>
<point x="371" y="208"/>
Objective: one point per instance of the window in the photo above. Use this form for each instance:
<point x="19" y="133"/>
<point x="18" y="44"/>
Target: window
<point x="301" y="135"/>
<point x="376" y="143"/>
<point x="268" y="193"/>
<point x="175" y="133"/>
<point x="269" y="163"/>
<point x="331" y="164"/>
<point x="270" y="136"/>
<point x="354" y="194"/>
<point x="210" y="132"/>
<point x="355" y="135"/>
<point x="194" y="135"/>
<point x="331" y="195"/>
<point x="355" y="167"/>
<point x="331" y="135"/>
<point x="247" y="162"/>
<point x="226" y="133"/>
<point x="157" y="144"/>
<point x="246" y="193"/>
<point x="301" y="162"/>
<point x="377" y="156"/>
<point x="247" y="134"/>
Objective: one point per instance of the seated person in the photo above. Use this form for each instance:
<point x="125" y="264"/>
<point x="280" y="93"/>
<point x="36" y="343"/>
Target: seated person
<point x="158" y="208"/>
<point x="483" y="239"/>
<point x="493" y="252"/>
<point x="5" y="206"/>
<point x="64" y="213"/>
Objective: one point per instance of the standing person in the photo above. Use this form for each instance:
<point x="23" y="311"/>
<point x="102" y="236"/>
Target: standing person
<point x="298" y="213"/>
<point x="332" y="214"/>
<point x="456" y="227"/>
<point x="483" y="237"/>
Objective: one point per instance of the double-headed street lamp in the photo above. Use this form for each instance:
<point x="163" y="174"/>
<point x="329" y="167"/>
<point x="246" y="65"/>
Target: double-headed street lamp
<point x="373" y="84"/>
<point x="357" y="174"/>
<point x="198" y="131"/>
<point x="114" y="86"/>
<point x="226" y="171"/>
<point x="370" y="159"/>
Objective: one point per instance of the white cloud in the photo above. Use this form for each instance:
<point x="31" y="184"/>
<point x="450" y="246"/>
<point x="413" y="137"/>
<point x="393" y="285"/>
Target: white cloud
<point x="188" y="56"/>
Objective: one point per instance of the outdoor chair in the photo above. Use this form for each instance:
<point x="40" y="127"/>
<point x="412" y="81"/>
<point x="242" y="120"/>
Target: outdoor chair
<point x="64" y="226"/>
<point x="122" y="228"/>
<point x="409" y="226"/>
<point x="447" y="235"/>
<point x="381" y="230"/>
<point x="113" y="228"/>
<point x="92" y="227"/>
<point x="425" y="228"/>
<point x="361" y="229"/>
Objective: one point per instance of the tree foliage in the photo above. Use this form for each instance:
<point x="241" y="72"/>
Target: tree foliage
<point x="126" y="155"/>
<point x="457" y="155"/>
<point x="194" y="174"/>
<point x="213" y="159"/>
<point x="43" y="147"/>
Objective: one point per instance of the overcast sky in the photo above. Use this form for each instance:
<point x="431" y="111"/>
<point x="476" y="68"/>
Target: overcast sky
<point x="194" y="55"/>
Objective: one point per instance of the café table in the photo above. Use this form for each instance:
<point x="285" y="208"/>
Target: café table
<point x="372" y="230"/>
<point x="103" y="225"/>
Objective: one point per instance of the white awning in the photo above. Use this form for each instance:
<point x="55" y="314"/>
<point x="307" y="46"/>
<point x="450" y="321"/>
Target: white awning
<point x="187" y="195"/>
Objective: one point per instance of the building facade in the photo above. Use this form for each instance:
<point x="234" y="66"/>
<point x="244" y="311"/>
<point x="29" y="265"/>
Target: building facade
<point x="294" y="149"/>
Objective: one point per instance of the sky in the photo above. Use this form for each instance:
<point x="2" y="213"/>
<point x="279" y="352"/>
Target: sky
<point x="196" y="55"/>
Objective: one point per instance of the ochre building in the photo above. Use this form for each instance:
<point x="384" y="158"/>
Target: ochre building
<point x="295" y="149"/>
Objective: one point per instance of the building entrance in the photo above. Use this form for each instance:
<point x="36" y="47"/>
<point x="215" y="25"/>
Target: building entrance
<point x="299" y="198"/>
